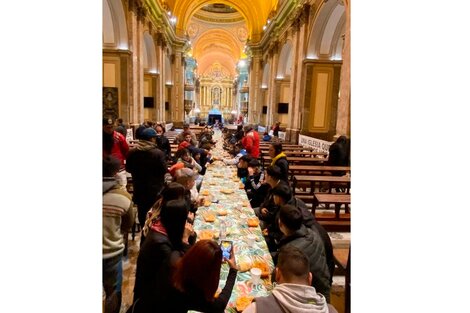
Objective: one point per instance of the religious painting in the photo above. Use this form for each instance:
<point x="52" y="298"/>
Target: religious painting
<point x="110" y="102"/>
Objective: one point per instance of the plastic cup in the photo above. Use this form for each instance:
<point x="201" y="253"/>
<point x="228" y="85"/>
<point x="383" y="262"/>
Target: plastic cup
<point x="255" y="275"/>
<point x="251" y="239"/>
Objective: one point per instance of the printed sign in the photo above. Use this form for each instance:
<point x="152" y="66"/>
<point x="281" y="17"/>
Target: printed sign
<point x="317" y="144"/>
<point x="168" y="127"/>
<point x="282" y="135"/>
<point x="129" y="135"/>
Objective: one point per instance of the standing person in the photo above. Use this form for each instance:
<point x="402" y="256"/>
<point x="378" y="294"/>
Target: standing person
<point x="339" y="154"/>
<point x="275" y="129"/>
<point x="162" y="142"/>
<point x="118" y="217"/>
<point x="196" y="278"/>
<point x="141" y="128"/>
<point x="115" y="144"/>
<point x="251" y="141"/>
<point x="166" y="241"/>
<point x="293" y="293"/>
<point x="279" y="159"/>
<point x="296" y="234"/>
<point x="147" y="165"/>
<point x="121" y="127"/>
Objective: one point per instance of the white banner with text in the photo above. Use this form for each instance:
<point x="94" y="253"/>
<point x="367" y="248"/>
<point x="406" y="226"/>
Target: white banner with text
<point x="317" y="144"/>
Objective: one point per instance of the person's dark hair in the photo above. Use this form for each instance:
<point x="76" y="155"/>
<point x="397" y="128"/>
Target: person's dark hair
<point x="246" y="158"/>
<point x="282" y="190"/>
<point x="291" y="217"/>
<point x="293" y="263"/>
<point x="160" y="125"/>
<point x="186" y="134"/>
<point x="173" y="216"/>
<point x="274" y="171"/>
<point x="111" y="166"/>
<point x="277" y="147"/>
<point x="254" y="163"/>
<point x="119" y="120"/>
<point x="175" y="191"/>
<point x="342" y="139"/>
<point x="198" y="271"/>
<point x="181" y="152"/>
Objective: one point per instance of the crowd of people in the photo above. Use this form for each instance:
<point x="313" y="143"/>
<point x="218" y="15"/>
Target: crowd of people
<point x="166" y="196"/>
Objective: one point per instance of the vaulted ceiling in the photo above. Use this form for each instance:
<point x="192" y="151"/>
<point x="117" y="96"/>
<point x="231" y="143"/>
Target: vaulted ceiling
<point x="255" y="12"/>
<point x="219" y="29"/>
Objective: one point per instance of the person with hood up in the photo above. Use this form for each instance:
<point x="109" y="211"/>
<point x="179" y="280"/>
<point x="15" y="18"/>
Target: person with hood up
<point x="294" y="292"/>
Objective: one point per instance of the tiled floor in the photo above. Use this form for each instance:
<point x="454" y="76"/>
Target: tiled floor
<point x="129" y="267"/>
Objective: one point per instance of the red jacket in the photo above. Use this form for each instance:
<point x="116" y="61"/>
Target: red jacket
<point x="120" y="148"/>
<point x="251" y="143"/>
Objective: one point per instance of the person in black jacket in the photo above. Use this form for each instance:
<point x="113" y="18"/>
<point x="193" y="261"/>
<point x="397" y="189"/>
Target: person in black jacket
<point x="162" y="142"/>
<point x="166" y="242"/>
<point x="196" y="278"/>
<point x="282" y="196"/>
<point x="147" y="165"/>
<point x="279" y="159"/>
<point x="296" y="234"/>
<point x="339" y="154"/>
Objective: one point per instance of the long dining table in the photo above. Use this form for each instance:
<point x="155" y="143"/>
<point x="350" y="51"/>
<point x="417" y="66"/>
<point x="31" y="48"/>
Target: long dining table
<point x="226" y="202"/>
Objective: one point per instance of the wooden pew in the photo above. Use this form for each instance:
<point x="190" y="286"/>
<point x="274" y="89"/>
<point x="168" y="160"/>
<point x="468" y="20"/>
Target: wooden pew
<point x="337" y="199"/>
<point x="316" y="169"/>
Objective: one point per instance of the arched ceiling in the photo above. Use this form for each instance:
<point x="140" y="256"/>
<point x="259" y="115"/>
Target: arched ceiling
<point x="218" y="34"/>
<point x="255" y="13"/>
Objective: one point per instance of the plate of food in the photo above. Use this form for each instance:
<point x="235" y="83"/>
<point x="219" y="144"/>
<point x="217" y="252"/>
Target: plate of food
<point x="222" y="212"/>
<point x="206" y="234"/>
<point x="242" y="302"/>
<point x="209" y="217"/>
<point x="263" y="266"/>
<point x="252" y="222"/>
<point x="226" y="191"/>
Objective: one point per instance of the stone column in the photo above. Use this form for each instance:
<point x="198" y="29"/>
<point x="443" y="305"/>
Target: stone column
<point x="254" y="97"/>
<point x="160" y="84"/>
<point x="300" y="27"/>
<point x="343" y="122"/>
<point x="177" y="91"/>
<point x="272" y="87"/>
<point x="136" y="19"/>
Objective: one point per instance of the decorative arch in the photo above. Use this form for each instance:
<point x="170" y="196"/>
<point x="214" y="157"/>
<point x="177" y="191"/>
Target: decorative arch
<point x="149" y="54"/>
<point x="114" y="25"/>
<point x="284" y="67"/>
<point x="325" y="40"/>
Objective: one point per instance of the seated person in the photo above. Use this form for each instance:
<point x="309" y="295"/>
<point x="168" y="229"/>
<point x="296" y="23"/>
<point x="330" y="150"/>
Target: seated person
<point x="254" y="179"/>
<point x="184" y="156"/>
<point x="242" y="167"/>
<point x="205" y="138"/>
<point x="196" y="278"/>
<point x="309" y="242"/>
<point x="294" y="292"/>
<point x="267" y="211"/>
<point x="166" y="240"/>
<point x="266" y="136"/>
<point x="187" y="178"/>
<point x="282" y="196"/>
